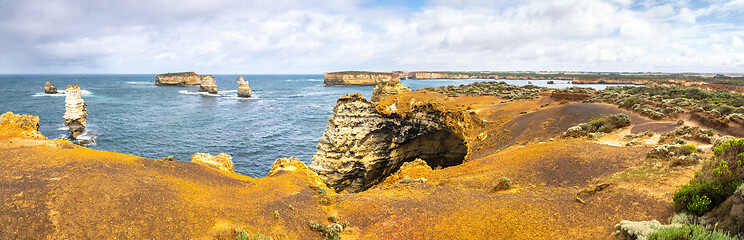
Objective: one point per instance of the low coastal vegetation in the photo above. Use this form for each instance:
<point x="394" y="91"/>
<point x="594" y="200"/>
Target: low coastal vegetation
<point x="716" y="181"/>
<point x="597" y="126"/>
<point x="493" y="88"/>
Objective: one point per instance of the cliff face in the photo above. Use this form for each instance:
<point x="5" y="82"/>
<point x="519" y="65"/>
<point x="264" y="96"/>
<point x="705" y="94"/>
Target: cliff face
<point x="361" y="146"/>
<point x="438" y="75"/>
<point x="178" y="79"/>
<point x="49" y="88"/>
<point x="387" y="89"/>
<point x="75" y="113"/>
<point x="208" y="84"/>
<point x="243" y="89"/>
<point x="358" y="78"/>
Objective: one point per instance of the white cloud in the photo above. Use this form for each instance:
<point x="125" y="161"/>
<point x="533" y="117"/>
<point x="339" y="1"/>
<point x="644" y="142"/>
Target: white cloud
<point x="295" y="36"/>
<point x="736" y="42"/>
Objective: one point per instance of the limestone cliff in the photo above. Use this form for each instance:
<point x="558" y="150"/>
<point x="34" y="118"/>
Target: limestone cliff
<point x="361" y="146"/>
<point x="49" y="88"/>
<point x="387" y="89"/>
<point x="208" y="84"/>
<point x="243" y="89"/>
<point x="438" y="75"/>
<point x="178" y="79"/>
<point x="221" y="161"/>
<point x="358" y="78"/>
<point x="75" y="113"/>
<point x="12" y="125"/>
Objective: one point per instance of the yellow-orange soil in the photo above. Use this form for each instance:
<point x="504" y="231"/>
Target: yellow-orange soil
<point x="52" y="189"/>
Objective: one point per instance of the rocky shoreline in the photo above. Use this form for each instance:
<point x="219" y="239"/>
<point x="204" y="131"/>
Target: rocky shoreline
<point x="480" y="160"/>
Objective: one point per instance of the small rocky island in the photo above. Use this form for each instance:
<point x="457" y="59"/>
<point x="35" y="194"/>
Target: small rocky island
<point x="75" y="113"/>
<point x="208" y="84"/>
<point x="243" y="89"/>
<point x="178" y="79"/>
<point x="358" y="78"/>
<point x="49" y="88"/>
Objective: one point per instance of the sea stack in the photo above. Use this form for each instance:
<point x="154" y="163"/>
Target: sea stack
<point x="243" y="89"/>
<point x="386" y="89"/>
<point x="208" y="84"/>
<point x="49" y="88"/>
<point x="177" y="79"/>
<point x="75" y="113"/>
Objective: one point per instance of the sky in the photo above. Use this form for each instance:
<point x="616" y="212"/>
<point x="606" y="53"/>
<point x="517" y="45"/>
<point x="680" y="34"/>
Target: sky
<point x="316" y="36"/>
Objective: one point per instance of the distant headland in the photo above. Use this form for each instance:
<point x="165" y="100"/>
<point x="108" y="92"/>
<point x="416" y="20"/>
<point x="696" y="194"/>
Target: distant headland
<point x="703" y="81"/>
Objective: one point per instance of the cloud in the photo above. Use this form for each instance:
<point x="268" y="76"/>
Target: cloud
<point x="295" y="36"/>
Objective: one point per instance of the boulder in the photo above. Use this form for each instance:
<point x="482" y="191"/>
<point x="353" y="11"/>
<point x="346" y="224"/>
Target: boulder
<point x="222" y="161"/>
<point x="243" y="89"/>
<point x="208" y="84"/>
<point x="178" y="79"/>
<point x="75" y="113"/>
<point x="386" y="89"/>
<point x="49" y="88"/>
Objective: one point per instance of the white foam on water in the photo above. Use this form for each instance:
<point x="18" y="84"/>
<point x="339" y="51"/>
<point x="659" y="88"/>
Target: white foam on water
<point x="199" y="93"/>
<point x="87" y="138"/>
<point x="228" y="91"/>
<point x="61" y="93"/>
<point x="140" y="83"/>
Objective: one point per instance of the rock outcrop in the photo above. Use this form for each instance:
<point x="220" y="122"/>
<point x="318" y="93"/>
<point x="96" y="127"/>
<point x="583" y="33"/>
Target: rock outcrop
<point x="358" y="78"/>
<point x="75" y="113"/>
<point x="178" y="79"/>
<point x="222" y="161"/>
<point x="729" y="216"/>
<point x="361" y="147"/>
<point x="49" y="88"/>
<point x="243" y="89"/>
<point x="25" y="125"/>
<point x="208" y="84"/>
<point x="387" y="89"/>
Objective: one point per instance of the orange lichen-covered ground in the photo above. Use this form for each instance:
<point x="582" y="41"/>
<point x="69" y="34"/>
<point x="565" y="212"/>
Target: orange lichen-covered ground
<point x="56" y="190"/>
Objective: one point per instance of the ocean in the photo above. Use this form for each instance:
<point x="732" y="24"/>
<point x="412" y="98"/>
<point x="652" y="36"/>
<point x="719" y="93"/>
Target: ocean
<point x="285" y="117"/>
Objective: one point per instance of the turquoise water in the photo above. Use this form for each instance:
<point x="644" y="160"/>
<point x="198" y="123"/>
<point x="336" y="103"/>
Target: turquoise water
<point x="129" y="114"/>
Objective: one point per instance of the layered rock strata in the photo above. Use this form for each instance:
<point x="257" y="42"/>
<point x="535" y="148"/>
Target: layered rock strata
<point x="178" y="79"/>
<point x="222" y="161"/>
<point x="49" y="88"/>
<point x="75" y="113"/>
<point x="361" y="146"/>
<point x="243" y="89"/>
<point x="358" y="78"/>
<point x="208" y="84"/>
<point x="387" y="89"/>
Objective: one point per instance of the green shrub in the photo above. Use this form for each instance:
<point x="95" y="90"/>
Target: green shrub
<point x="503" y="184"/>
<point x="242" y="235"/>
<point x="698" y="204"/>
<point x="715" y="182"/>
<point x="688" y="232"/>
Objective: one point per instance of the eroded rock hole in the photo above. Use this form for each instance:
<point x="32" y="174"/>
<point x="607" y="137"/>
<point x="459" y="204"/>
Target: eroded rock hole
<point x="438" y="149"/>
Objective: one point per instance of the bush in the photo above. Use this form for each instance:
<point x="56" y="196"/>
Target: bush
<point x="688" y="232"/>
<point x="716" y="181"/>
<point x="604" y="124"/>
<point x="503" y="184"/>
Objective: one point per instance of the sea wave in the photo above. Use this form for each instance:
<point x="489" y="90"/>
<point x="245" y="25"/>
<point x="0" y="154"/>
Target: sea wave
<point x="187" y="92"/>
<point x="140" y="83"/>
<point x="87" y="138"/>
<point x="61" y="93"/>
